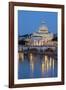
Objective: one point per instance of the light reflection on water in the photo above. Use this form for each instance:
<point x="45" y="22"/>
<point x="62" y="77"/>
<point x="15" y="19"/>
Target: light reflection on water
<point x="36" y="66"/>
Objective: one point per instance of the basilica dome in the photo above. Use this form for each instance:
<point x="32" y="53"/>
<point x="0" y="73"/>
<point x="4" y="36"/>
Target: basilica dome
<point x="43" y="27"/>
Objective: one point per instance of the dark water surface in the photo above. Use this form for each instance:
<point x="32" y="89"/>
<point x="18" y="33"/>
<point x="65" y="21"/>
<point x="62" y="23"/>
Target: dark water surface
<point x="36" y="66"/>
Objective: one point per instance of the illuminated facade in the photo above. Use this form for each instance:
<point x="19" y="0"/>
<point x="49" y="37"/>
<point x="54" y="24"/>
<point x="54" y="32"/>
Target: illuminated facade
<point x="41" y="37"/>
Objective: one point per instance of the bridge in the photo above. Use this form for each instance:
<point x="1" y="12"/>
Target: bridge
<point x="43" y="48"/>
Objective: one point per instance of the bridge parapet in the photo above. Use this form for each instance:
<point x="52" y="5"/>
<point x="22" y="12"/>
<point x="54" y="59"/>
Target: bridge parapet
<point x="21" y="48"/>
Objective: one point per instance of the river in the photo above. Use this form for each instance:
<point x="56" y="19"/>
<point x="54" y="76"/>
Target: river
<point x="36" y="66"/>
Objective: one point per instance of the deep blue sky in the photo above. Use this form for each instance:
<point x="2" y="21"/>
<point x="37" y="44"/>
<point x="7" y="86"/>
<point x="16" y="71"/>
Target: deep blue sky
<point x="29" y="21"/>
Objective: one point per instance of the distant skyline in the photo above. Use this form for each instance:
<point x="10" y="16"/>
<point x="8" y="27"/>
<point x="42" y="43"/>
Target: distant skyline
<point x="30" y="21"/>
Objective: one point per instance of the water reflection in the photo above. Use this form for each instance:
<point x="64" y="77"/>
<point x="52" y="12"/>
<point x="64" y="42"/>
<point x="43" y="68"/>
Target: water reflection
<point x="36" y="66"/>
<point x="31" y="62"/>
<point x="21" y="56"/>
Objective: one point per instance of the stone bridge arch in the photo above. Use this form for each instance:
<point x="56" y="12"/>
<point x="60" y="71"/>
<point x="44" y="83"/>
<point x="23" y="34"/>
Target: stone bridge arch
<point x="49" y="50"/>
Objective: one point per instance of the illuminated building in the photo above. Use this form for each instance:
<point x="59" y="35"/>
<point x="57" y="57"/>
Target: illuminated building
<point x="42" y="37"/>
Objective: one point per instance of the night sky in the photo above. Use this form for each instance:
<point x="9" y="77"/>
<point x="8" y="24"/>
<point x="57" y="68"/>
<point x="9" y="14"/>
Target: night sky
<point x="30" y="21"/>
